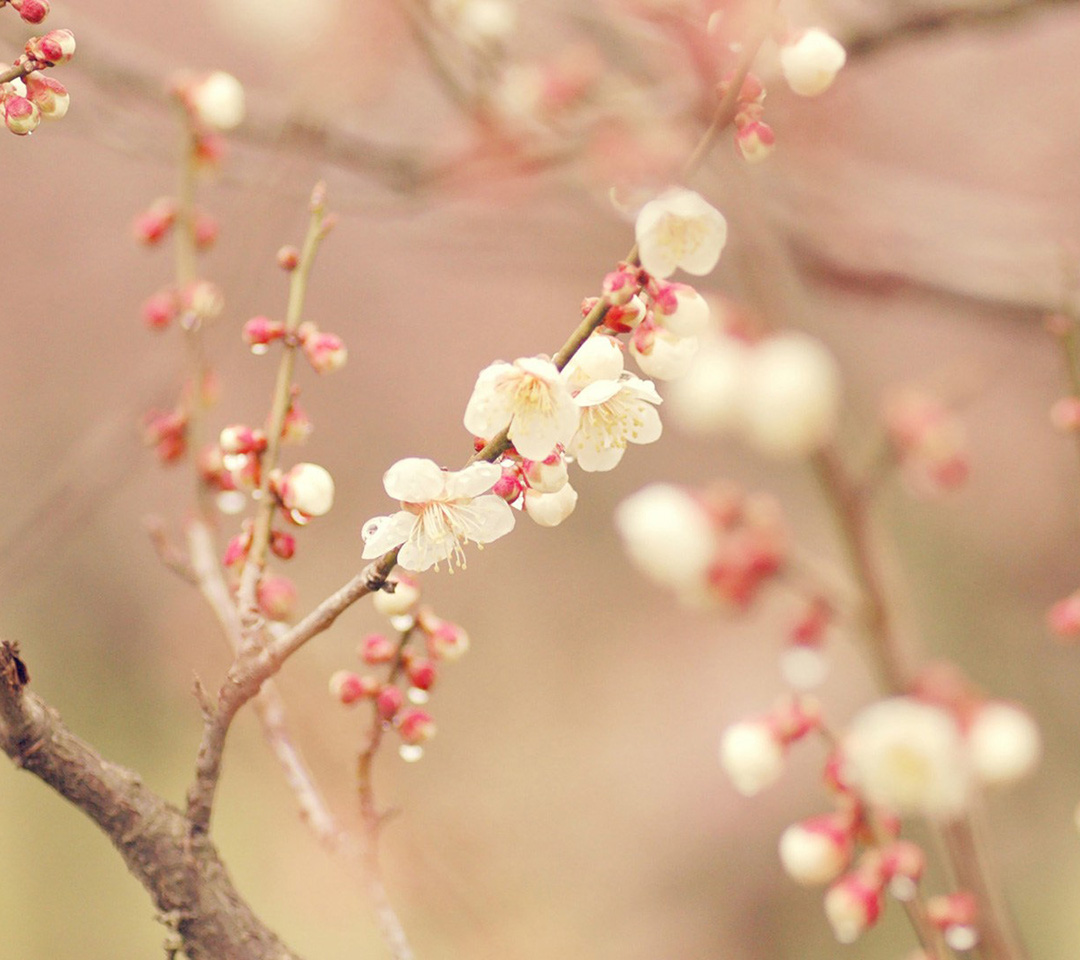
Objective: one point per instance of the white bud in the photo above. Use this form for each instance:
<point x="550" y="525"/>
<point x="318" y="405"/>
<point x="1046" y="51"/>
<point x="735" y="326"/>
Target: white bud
<point x="752" y="756"/>
<point x="551" y="509"/>
<point x="667" y="534"/>
<point x="218" y="100"/>
<point x="708" y="398"/>
<point x="1004" y="743"/>
<point x="811" y="62"/>
<point x="308" y="489"/>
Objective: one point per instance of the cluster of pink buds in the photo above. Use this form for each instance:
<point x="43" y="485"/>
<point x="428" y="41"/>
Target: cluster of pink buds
<point x="754" y="138"/>
<point x="326" y="352"/>
<point x="410" y="663"/>
<point x="26" y="94"/>
<point x="928" y="440"/>
<point x="539" y="487"/>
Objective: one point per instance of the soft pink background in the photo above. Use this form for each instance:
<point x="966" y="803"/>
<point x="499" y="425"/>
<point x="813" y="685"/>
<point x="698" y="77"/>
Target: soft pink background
<point x="916" y="218"/>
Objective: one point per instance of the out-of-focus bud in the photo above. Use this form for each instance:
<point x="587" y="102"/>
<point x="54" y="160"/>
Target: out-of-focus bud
<point x="853" y="905"/>
<point x="811" y="62"/>
<point x="416" y="726"/>
<point x="445" y="640"/>
<point x="240" y="438"/>
<point x="1003" y="742"/>
<point x="751" y="755"/>
<point x="160" y="309"/>
<point x="218" y="100"/>
<point x="348" y="687"/>
<point x="307" y="489"/>
<point x="151" y="226"/>
<point x="403" y="599"/>
<point x="260" y="331"/>
<point x="376" y="648"/>
<point x="50" y="95"/>
<point x="326" y="352"/>
<point x="817" y="850"/>
<point x="755" y="140"/>
<point x="276" y="597"/>
<point x="389" y="702"/>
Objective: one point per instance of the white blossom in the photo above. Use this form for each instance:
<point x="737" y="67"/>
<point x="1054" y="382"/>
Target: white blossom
<point x="307" y="489"/>
<point x="679" y="229"/>
<point x="708" y="398"/>
<point x="663" y="355"/>
<point x="529" y="396"/>
<point x="598" y="358"/>
<point x="790" y="395"/>
<point x="442" y="511"/>
<point x="667" y="533"/>
<point x="811" y="62"/>
<point x="909" y="757"/>
<point x="613" y="414"/>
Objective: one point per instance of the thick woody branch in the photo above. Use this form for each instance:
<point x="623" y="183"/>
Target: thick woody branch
<point x="182" y="872"/>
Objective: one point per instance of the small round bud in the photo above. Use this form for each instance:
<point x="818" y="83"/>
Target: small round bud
<point x="241" y="439"/>
<point x="326" y="352"/>
<point x="811" y="62"/>
<point x="21" y="116"/>
<point x="56" y="46"/>
<point x="416" y="726"/>
<point x="160" y="309"/>
<point x="260" y="331"/>
<point x="817" y="850"/>
<point x="421" y="673"/>
<point x="282" y="544"/>
<point x="218" y="100"/>
<point x="402" y="600"/>
<point x="752" y="756"/>
<point x="388" y="702"/>
<point x="307" y="489"/>
<point x="288" y="258"/>
<point x="151" y="226"/>
<point x="445" y="640"/>
<point x="347" y="687"/>
<point x="853" y="905"/>
<point x="32" y="11"/>
<point x="1003" y="742"/>
<point x="276" y="597"/>
<point x="755" y="140"/>
<point x="376" y="648"/>
<point x="206" y="231"/>
<point x="50" y="95"/>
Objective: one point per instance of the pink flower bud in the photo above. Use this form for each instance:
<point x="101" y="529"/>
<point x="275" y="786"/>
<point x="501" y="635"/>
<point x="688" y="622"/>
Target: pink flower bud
<point x="902" y="866"/>
<point x="282" y="544"/>
<point x="276" y="597"/>
<point x="241" y="439"/>
<point x="297" y="426"/>
<point x="50" y="95"/>
<point x="1003" y="742"/>
<point x="260" y="331"/>
<point x="159" y="310"/>
<point x="288" y="258"/>
<point x="678" y="307"/>
<point x="405" y="596"/>
<point x="376" y="649"/>
<point x="853" y="905"/>
<point x="325" y="352"/>
<point x="21" y="116"/>
<point x="955" y="914"/>
<point x="388" y="702"/>
<point x="236" y="550"/>
<point x="421" y="673"/>
<point x="1064" y="618"/>
<point x="206" y="231"/>
<point x="416" y="726"/>
<point x="811" y="62"/>
<point x="347" y="687"/>
<point x="208" y="149"/>
<point x="622" y="318"/>
<point x="167" y="433"/>
<point x="622" y="284"/>
<point x="794" y="717"/>
<point x="56" y="46"/>
<point x="508" y="486"/>
<point x="445" y="640"/>
<point x="32" y="11"/>
<point x="817" y="850"/>
<point x="202" y="300"/>
<point x="217" y="100"/>
<point x="151" y="226"/>
<point x="307" y="489"/>
<point x="755" y="141"/>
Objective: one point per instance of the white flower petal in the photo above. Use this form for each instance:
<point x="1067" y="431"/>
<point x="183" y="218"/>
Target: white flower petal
<point x="382" y="534"/>
<point x="414" y="480"/>
<point x="475" y="479"/>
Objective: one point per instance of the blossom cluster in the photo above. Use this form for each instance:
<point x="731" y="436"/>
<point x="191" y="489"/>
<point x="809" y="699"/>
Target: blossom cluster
<point x="924" y="754"/>
<point x="412" y="665"/>
<point x="27" y="95"/>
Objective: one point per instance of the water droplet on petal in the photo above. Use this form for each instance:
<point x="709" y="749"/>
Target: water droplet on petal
<point x="410" y="752"/>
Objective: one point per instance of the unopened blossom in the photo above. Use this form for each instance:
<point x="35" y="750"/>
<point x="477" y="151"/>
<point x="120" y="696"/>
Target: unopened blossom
<point x="791" y="396"/>
<point x="598" y="358"/>
<point x="817" y="850"/>
<point x="751" y="755"/>
<point x="660" y="353"/>
<point x="277" y="597"/>
<point x="853" y="904"/>
<point x="307" y="489"/>
<point x="614" y="412"/>
<point x="21" y="116"/>
<point x="441" y="512"/>
<point x="54" y="47"/>
<point x="530" y="398"/>
<point x="679" y="229"/>
<point x="218" y="100"/>
<point x="550" y="509"/>
<point x="49" y="94"/>
<point x="32" y="11"/>
<point x="678" y="307"/>
<point x="811" y="62"/>
<point x="416" y="726"/>
<point x="909" y="757"/>
<point x="445" y="640"/>
<point x="755" y="141"/>
<point x="668" y="534"/>
<point x="708" y="398"/>
<point x="1003" y="742"/>
<point x="402" y="600"/>
<point x="549" y="475"/>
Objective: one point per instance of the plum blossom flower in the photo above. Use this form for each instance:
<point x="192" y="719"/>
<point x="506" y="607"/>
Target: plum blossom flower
<point x="442" y="511"/>
<point x="811" y="62"/>
<point x="614" y="413"/>
<point x="909" y="757"/>
<point x="529" y="397"/>
<point x="679" y="229"/>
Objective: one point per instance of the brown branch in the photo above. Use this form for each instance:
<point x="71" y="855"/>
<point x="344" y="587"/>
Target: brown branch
<point x="183" y="873"/>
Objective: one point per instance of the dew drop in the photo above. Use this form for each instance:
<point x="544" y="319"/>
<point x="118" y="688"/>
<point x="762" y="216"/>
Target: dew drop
<point x="410" y="752"/>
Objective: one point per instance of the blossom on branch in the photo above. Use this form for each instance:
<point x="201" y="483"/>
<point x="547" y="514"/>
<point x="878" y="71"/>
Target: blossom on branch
<point x="527" y="396"/>
<point x="679" y="229"/>
<point x="441" y="512"/>
<point x="811" y="62"/>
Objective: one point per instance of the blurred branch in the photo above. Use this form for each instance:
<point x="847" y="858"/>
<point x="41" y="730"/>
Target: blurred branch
<point x="181" y="871"/>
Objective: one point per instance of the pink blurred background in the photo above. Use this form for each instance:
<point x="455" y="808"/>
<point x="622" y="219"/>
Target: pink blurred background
<point x="916" y="218"/>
